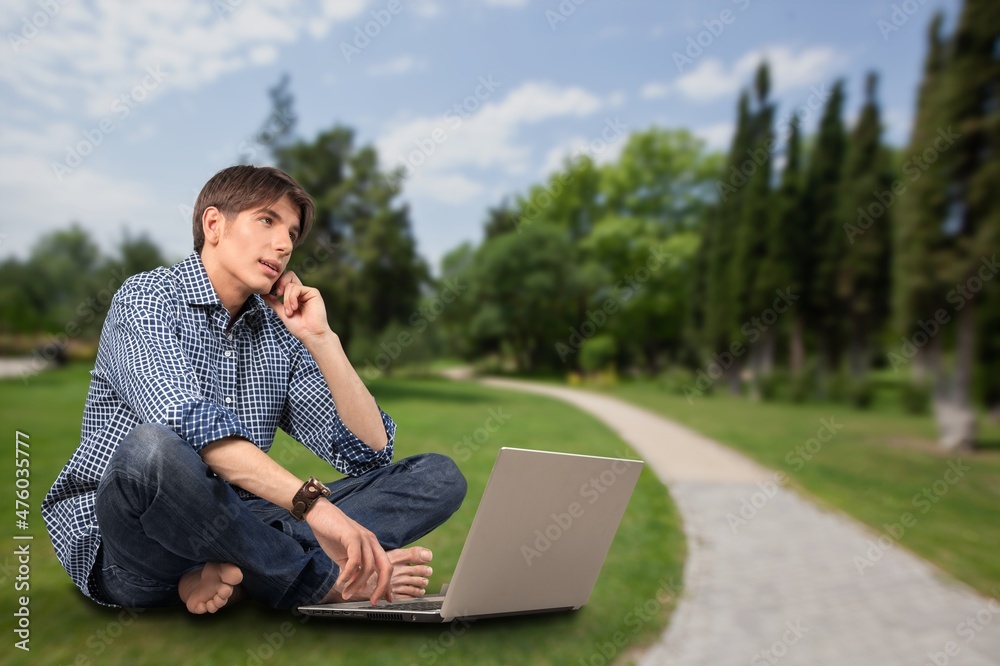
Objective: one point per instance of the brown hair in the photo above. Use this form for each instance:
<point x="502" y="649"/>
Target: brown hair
<point x="243" y="187"/>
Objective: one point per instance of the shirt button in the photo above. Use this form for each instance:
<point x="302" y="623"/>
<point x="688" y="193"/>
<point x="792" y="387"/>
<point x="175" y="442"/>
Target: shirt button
<point x="228" y="399"/>
<point x="227" y="353"/>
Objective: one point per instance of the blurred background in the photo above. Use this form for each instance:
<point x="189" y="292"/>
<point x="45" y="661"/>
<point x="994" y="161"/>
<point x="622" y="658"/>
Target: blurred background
<point x="784" y="200"/>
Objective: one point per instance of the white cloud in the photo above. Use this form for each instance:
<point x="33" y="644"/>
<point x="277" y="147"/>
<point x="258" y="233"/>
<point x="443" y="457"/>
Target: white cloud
<point x="717" y="136"/>
<point x="102" y="204"/>
<point x="478" y="133"/>
<point x="424" y="8"/>
<point x="596" y="148"/>
<point x="452" y="189"/>
<point x="712" y="79"/>
<point x="654" y="90"/>
<point x="400" y="65"/>
<point x="507" y="3"/>
<point x="93" y="52"/>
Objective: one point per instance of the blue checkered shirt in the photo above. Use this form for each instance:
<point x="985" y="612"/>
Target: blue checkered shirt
<point x="165" y="357"/>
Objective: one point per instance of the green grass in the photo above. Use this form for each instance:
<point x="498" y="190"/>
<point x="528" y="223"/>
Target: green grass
<point x="433" y="415"/>
<point x="875" y="468"/>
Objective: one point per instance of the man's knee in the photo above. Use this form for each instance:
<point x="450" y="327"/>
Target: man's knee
<point x="442" y="477"/>
<point x="150" y="448"/>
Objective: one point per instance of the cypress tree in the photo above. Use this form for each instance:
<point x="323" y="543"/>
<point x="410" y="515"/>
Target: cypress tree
<point x="954" y="231"/>
<point x="867" y="200"/>
<point x="788" y="243"/>
<point x="822" y="189"/>
<point x="721" y="244"/>
<point x="751" y="256"/>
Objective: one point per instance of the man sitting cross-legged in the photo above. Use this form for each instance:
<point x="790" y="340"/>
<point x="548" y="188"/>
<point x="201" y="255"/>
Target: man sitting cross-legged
<point x="171" y="497"/>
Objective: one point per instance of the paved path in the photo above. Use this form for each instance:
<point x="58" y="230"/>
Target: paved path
<point x="21" y="366"/>
<point x="784" y="588"/>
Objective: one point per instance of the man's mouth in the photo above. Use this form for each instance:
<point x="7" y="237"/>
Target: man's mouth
<point x="274" y="267"/>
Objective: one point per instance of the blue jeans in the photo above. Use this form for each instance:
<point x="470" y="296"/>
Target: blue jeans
<point x="162" y="512"/>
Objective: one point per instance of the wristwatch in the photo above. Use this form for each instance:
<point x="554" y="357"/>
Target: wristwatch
<point x="307" y="495"/>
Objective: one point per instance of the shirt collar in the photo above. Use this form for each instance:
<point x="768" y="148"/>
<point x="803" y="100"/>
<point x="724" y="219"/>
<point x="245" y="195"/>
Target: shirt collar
<point x="198" y="289"/>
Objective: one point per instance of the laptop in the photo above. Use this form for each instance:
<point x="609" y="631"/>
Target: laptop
<point x="536" y="545"/>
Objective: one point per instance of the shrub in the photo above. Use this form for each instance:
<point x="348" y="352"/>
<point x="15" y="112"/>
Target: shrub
<point x="862" y="393"/>
<point x="916" y="398"/>
<point x="772" y="384"/>
<point x="598" y="353"/>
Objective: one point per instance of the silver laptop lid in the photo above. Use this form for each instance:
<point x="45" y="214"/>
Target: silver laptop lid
<point x="541" y="532"/>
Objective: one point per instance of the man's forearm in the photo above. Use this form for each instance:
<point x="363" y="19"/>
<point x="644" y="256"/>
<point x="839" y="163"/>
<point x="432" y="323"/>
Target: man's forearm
<point x="242" y="464"/>
<point x="355" y="404"/>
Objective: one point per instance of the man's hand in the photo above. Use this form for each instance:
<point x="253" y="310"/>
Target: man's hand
<point x="352" y="548"/>
<point x="302" y="310"/>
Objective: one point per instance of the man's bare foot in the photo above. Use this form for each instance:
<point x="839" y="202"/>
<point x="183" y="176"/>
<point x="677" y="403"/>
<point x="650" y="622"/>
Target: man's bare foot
<point x="410" y="575"/>
<point x="208" y="589"/>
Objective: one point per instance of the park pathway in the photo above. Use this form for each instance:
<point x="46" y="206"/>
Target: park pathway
<point x="784" y="587"/>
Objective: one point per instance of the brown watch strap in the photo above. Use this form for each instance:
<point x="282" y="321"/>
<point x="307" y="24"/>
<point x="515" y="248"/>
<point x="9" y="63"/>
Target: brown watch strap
<point x="306" y="497"/>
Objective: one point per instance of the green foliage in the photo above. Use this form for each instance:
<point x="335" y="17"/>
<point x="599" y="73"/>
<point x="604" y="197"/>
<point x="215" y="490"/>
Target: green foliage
<point x="916" y="397"/>
<point x="804" y="386"/>
<point x="823" y="181"/>
<point x="861" y="392"/>
<point x="598" y="353"/>
<point x="866" y="212"/>
<point x="674" y="378"/>
<point x="773" y="384"/>
<point x="65" y="285"/>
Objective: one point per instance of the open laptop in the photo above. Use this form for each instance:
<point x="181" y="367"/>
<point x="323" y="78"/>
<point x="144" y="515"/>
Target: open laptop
<point x="536" y="545"/>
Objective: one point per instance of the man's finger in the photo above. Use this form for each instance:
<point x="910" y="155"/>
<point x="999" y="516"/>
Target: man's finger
<point x="383" y="590"/>
<point x="349" y="572"/>
<point x="291" y="299"/>
<point x="364" y="569"/>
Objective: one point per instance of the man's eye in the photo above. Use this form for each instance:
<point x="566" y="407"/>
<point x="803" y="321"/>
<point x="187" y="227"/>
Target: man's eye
<point x="266" y="220"/>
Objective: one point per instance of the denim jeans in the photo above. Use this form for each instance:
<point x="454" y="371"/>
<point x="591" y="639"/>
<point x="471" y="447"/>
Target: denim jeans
<point x="162" y="512"/>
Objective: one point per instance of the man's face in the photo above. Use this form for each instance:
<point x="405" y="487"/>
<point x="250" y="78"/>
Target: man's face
<point x="256" y="245"/>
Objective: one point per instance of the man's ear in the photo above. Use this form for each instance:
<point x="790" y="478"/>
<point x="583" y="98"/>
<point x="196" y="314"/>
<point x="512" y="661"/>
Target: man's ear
<point x="212" y="223"/>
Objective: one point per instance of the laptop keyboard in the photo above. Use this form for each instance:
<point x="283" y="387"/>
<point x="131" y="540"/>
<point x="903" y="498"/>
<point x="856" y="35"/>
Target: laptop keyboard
<point x="417" y="605"/>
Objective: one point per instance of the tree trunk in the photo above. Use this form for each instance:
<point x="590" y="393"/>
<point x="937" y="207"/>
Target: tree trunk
<point x="858" y="352"/>
<point x="755" y="364"/>
<point x="768" y="343"/>
<point x="797" y="348"/>
<point x="733" y="379"/>
<point x="953" y="411"/>
<point x="919" y="368"/>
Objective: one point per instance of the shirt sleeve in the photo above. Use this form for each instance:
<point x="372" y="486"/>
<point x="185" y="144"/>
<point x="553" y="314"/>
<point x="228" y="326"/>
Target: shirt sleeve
<point x="142" y="358"/>
<point x="310" y="416"/>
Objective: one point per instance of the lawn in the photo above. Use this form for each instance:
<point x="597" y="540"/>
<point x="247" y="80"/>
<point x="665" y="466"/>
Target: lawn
<point x="629" y="606"/>
<point x="876" y="465"/>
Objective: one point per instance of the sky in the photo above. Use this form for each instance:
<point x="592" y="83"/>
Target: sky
<point x="113" y="114"/>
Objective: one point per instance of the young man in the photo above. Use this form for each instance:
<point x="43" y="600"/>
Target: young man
<point x="171" y="496"/>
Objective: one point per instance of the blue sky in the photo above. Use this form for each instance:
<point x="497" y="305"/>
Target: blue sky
<point x="115" y="113"/>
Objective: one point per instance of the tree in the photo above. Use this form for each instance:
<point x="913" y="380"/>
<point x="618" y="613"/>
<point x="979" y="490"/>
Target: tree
<point x="522" y="295"/>
<point x="862" y="282"/>
<point x="278" y="130"/>
<point x="821" y="306"/>
<point x="959" y="117"/>
<point x="663" y="176"/>
<point x="569" y="200"/>
<point x="789" y="244"/>
<point x="720" y="310"/>
<point x="752" y="257"/>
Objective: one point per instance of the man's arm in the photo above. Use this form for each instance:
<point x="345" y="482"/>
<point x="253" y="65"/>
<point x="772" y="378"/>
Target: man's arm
<point x="329" y="409"/>
<point x="355" y="404"/>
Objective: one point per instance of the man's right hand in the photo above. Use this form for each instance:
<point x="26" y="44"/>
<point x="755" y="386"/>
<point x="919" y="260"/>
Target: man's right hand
<point x="354" y="549"/>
